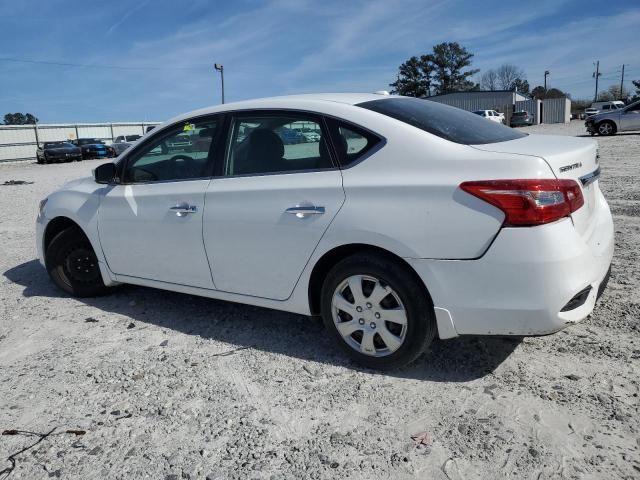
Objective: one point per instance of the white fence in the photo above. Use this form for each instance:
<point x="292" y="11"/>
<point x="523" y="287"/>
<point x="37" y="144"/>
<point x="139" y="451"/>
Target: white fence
<point x="18" y="142"/>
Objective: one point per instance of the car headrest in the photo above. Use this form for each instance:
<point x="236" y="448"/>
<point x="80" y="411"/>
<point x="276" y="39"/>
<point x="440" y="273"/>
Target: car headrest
<point x="206" y="132"/>
<point x="266" y="144"/>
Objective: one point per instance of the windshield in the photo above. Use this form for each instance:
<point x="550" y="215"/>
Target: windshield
<point x="446" y="122"/>
<point x="58" y="145"/>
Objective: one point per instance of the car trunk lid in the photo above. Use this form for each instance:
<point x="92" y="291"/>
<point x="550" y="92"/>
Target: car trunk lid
<point x="569" y="158"/>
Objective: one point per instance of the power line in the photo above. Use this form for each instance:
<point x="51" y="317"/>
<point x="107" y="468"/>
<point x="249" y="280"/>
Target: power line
<point x="96" y="65"/>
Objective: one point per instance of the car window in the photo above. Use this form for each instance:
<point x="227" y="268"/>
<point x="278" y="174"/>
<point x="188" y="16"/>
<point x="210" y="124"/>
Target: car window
<point x="446" y="122"/>
<point x="606" y="107"/>
<point x="271" y="144"/>
<point x="635" y="107"/>
<point x="350" y="142"/>
<point x="182" y="153"/>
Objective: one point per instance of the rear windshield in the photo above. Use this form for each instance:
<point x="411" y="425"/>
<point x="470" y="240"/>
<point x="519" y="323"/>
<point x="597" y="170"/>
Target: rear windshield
<point x="446" y="122"/>
<point x="520" y="114"/>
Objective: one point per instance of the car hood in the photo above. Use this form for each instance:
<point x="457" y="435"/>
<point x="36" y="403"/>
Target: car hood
<point x="600" y="116"/>
<point x="84" y="184"/>
<point x="63" y="150"/>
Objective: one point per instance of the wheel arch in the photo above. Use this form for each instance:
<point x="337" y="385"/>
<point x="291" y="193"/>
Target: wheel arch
<point x="335" y="255"/>
<point x="54" y="227"/>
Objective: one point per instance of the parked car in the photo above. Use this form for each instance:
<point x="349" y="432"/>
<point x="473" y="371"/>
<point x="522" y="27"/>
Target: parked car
<point x="410" y="219"/>
<point x="119" y="147"/>
<point x="58" y="152"/>
<point x="619" y="120"/>
<point x="311" y="136"/>
<point x="491" y="115"/>
<point x="93" y="148"/>
<point x="522" y="119"/>
<point x="290" y="136"/>
<point x="607" y="106"/>
<point x="127" y="138"/>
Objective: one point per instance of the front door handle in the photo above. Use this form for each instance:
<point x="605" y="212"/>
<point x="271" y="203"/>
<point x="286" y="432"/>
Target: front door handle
<point x="183" y="208"/>
<point x="302" y="211"/>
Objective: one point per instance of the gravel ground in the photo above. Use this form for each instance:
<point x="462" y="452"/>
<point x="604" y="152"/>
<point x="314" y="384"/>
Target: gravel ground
<point x="171" y="386"/>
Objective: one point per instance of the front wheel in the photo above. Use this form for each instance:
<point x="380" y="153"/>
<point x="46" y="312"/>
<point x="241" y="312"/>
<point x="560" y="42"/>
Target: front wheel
<point x="72" y="264"/>
<point x="377" y="311"/>
<point x="606" y="128"/>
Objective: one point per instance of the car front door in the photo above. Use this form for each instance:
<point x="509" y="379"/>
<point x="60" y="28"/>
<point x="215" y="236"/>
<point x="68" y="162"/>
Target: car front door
<point x="150" y="224"/>
<point x="275" y="194"/>
<point x="630" y="118"/>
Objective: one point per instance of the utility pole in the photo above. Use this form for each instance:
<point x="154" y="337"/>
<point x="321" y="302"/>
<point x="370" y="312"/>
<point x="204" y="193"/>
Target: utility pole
<point x="546" y="74"/>
<point x="219" y="67"/>
<point x="596" y="75"/>
<point x="622" y="83"/>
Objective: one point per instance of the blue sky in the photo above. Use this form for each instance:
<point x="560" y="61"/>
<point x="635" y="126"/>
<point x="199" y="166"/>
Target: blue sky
<point x="153" y="59"/>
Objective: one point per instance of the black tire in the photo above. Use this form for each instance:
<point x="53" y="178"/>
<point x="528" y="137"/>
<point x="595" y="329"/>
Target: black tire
<point x="421" y="325"/>
<point x="71" y="248"/>
<point x="606" y="128"/>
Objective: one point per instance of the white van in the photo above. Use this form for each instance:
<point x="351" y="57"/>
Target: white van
<point x="607" y="106"/>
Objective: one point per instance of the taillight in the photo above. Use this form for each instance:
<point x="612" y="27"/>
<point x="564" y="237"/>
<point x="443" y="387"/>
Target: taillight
<point x="529" y="202"/>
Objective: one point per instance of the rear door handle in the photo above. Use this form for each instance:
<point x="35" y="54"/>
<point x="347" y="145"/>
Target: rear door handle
<point x="302" y="211"/>
<point x="183" y="208"/>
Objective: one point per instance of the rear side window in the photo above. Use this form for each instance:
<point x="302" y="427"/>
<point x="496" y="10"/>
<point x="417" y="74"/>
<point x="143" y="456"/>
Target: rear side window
<point x="446" y="122"/>
<point x="352" y="143"/>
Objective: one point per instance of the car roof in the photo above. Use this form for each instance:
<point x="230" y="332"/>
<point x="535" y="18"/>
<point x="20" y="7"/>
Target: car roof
<point x="302" y="101"/>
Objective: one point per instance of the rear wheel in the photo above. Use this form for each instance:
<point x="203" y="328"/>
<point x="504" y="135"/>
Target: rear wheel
<point x="606" y="128"/>
<point x="377" y="311"/>
<point x="72" y="264"/>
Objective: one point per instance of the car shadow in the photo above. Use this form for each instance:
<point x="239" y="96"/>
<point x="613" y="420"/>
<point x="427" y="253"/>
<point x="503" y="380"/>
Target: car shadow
<point x="460" y="359"/>
<point x="620" y="134"/>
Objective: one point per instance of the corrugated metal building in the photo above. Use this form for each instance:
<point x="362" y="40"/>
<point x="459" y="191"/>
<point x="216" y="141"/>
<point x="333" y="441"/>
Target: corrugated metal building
<point x="552" y="110"/>
<point x="19" y="142"/>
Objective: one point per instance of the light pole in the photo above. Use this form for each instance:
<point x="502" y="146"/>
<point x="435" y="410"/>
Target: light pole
<point x="546" y="74"/>
<point x="219" y="67"/>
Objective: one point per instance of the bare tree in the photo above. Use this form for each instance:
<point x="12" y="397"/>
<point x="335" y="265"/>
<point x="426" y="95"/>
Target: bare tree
<point x="507" y="74"/>
<point x="614" y="90"/>
<point x="489" y="80"/>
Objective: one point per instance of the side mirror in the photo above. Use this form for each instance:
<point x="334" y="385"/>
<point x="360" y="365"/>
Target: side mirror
<point x="105" y="173"/>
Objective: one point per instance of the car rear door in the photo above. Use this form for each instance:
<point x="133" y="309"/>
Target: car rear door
<point x="273" y="198"/>
<point x="150" y="225"/>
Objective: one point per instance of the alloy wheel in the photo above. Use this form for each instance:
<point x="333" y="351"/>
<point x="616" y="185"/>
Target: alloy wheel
<point x="605" y="128"/>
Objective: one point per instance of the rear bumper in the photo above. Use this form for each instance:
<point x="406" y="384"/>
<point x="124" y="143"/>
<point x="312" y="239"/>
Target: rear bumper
<point x="524" y="281"/>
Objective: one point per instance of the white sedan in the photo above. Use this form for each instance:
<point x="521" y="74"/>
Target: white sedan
<point x="406" y="219"/>
<point x="491" y="115"/>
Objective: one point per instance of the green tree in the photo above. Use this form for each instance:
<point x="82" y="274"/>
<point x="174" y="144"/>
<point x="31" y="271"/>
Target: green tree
<point x="414" y="78"/>
<point x="520" y="85"/>
<point x="540" y="93"/>
<point x="19" y="119"/>
<point x="450" y="68"/>
<point x="636" y="84"/>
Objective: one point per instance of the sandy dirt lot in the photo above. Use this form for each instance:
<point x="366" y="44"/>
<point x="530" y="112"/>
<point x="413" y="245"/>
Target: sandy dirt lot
<point x="170" y="386"/>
